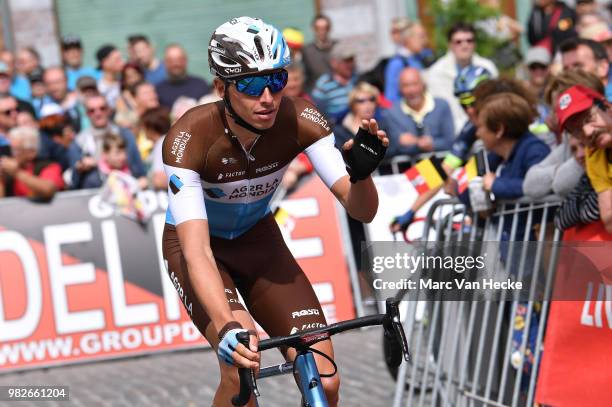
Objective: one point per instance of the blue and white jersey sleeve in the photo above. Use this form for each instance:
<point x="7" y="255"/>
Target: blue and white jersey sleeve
<point x="185" y="195"/>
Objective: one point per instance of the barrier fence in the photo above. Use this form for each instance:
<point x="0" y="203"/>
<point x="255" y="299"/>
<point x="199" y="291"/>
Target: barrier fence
<point x="481" y="352"/>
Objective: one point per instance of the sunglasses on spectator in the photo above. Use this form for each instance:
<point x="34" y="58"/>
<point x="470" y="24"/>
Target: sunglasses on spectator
<point x="467" y="41"/>
<point x="97" y="109"/>
<point x="536" y="66"/>
<point x="371" y="99"/>
<point x="466" y="100"/>
<point x="255" y="85"/>
<point x="9" y="111"/>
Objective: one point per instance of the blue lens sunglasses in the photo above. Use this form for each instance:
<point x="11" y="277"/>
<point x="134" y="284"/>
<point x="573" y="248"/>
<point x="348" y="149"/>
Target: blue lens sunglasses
<point x="255" y="85"/>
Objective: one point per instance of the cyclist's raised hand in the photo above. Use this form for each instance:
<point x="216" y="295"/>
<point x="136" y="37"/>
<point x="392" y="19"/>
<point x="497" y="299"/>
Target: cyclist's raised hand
<point x="365" y="151"/>
<point x="233" y="352"/>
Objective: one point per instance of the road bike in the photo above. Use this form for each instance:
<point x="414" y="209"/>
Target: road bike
<point x="304" y="367"/>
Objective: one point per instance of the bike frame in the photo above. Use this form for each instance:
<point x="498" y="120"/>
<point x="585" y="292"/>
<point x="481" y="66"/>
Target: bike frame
<point x="309" y="380"/>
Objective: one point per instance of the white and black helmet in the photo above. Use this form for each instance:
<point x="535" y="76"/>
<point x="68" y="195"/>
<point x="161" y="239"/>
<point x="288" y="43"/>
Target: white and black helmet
<point x="246" y="45"/>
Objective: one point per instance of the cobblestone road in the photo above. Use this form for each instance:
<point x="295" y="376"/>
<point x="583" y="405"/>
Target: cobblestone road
<point x="190" y="378"/>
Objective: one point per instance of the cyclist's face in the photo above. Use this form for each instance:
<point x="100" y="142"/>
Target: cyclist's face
<point x="259" y="111"/>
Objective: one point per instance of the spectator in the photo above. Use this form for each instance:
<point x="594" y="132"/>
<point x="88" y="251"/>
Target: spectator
<point x="27" y="61"/>
<point x="179" y="82"/>
<point x="558" y="173"/>
<point x="467" y="84"/>
<point x="156" y="123"/>
<point x="331" y="90"/>
<point x="58" y="128"/>
<point x="588" y="55"/>
<point x="398" y="26"/>
<point x="316" y="55"/>
<point x="72" y="59"/>
<point x="585" y="112"/>
<point x="363" y="104"/>
<point x="587" y="20"/>
<point x="538" y="62"/>
<point x="24" y="174"/>
<point x="26" y="119"/>
<point x="585" y="7"/>
<point x="8" y="114"/>
<point x="144" y="54"/>
<point x="145" y="98"/>
<point x="503" y="126"/>
<point x="419" y="122"/>
<point x="441" y="75"/>
<point x="125" y="111"/>
<point x="414" y="39"/>
<point x="85" y="152"/>
<point x="551" y="22"/>
<point x="111" y="64"/>
<point x="58" y="94"/>
<point x="601" y="33"/>
<point x="113" y="157"/>
<point x="295" y="82"/>
<point x="38" y="89"/>
<point x="86" y="86"/>
<point x="180" y="107"/>
<point x="15" y="85"/>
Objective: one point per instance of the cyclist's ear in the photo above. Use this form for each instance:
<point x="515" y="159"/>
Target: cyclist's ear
<point x="219" y="86"/>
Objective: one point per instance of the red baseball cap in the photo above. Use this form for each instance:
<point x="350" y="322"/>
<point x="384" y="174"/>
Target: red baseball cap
<point x="575" y="100"/>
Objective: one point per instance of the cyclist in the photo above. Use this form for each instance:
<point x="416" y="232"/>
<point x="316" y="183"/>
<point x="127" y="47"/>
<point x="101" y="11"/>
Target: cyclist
<point x="465" y="83"/>
<point x="224" y="161"/>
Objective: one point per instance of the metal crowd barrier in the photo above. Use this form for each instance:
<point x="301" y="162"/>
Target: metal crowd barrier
<point x="400" y="163"/>
<point x="461" y="350"/>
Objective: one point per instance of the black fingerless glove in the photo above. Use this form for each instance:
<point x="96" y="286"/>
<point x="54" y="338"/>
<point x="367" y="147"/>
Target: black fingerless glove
<point x="365" y="155"/>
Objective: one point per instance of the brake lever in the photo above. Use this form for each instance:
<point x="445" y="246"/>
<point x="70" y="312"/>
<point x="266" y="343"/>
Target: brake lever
<point x="248" y="384"/>
<point x="393" y="315"/>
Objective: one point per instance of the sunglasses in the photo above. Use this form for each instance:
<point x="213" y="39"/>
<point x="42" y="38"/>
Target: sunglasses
<point x="255" y="85"/>
<point x="537" y="66"/>
<point x="97" y="109"/>
<point x="467" y="41"/>
<point x="466" y="100"/>
<point x="371" y="99"/>
<point x="9" y="112"/>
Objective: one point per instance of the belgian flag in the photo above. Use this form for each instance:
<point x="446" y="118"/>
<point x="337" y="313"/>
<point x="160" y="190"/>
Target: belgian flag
<point x="426" y="175"/>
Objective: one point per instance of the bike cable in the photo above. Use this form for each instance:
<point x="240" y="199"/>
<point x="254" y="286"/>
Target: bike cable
<point x="313" y="350"/>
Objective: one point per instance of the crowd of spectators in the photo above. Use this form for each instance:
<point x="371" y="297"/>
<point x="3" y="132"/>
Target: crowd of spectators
<point x="68" y="126"/>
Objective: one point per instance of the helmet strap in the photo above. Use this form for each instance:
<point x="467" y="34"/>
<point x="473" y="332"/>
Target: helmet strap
<point x="239" y="120"/>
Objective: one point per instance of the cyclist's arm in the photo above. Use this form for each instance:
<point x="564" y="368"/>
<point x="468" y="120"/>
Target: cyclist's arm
<point x="182" y="156"/>
<point x="359" y="199"/>
<point x="203" y="274"/>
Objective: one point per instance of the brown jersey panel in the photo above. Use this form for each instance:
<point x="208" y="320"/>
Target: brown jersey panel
<point x="189" y="139"/>
<point x="312" y="124"/>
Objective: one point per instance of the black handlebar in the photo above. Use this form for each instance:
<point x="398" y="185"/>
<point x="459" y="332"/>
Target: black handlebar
<point x="247" y="377"/>
<point x="390" y="321"/>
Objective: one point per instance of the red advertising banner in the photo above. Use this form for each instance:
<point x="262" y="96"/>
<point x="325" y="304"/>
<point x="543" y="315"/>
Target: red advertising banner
<point x="576" y="367"/>
<point x="79" y="283"/>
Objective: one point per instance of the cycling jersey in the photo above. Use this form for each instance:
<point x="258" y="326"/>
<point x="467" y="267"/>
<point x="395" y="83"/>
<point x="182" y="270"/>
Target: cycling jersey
<point x="212" y="175"/>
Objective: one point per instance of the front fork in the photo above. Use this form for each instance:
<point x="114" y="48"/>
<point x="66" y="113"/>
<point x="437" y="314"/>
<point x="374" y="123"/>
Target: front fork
<point x="309" y="381"/>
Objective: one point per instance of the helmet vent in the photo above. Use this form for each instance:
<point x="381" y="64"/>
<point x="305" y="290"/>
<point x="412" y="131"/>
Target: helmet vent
<point x="259" y="47"/>
<point x="226" y="60"/>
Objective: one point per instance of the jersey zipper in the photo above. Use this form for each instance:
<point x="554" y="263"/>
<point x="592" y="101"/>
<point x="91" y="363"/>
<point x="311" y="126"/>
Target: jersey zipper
<point x="249" y="158"/>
